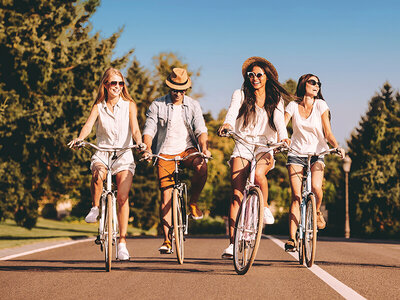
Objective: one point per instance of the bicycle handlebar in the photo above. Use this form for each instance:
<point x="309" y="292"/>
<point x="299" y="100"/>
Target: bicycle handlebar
<point x="176" y="158"/>
<point x="329" y="151"/>
<point x="282" y="145"/>
<point x="105" y="149"/>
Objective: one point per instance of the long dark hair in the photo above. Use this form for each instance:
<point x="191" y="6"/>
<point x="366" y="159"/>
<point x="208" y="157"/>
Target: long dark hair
<point x="301" y="87"/>
<point x="273" y="93"/>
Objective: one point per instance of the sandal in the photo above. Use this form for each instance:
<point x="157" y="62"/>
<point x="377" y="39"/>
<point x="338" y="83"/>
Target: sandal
<point x="290" y="245"/>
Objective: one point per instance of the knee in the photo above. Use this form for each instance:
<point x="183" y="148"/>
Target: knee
<point x="97" y="179"/>
<point x="260" y="176"/>
<point x="316" y="188"/>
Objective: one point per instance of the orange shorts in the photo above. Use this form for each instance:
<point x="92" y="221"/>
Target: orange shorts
<point x="166" y="169"/>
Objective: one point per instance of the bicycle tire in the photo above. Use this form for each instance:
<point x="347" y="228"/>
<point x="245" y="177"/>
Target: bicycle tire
<point x="109" y="233"/>
<point x="248" y="231"/>
<point x="310" y="235"/>
<point x="178" y="225"/>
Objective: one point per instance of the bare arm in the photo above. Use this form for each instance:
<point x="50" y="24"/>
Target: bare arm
<point x="326" y="125"/>
<point x="203" y="139"/>
<point x="87" y="128"/>
<point x="148" y="140"/>
<point x="133" y="123"/>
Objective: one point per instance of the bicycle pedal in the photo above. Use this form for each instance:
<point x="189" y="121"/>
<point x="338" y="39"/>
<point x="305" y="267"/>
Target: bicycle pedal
<point x="97" y="240"/>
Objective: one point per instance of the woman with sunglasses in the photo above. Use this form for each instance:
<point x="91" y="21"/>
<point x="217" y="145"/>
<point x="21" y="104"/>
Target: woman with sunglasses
<point x="115" y="114"/>
<point x="311" y="129"/>
<point x="256" y="113"/>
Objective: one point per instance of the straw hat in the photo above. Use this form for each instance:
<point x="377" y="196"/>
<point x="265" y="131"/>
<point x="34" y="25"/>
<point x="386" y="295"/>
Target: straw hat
<point x="253" y="59"/>
<point x="178" y="79"/>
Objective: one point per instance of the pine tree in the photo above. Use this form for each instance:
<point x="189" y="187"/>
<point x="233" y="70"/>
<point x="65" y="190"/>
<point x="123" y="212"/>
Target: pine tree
<point x="374" y="181"/>
<point x="50" y="69"/>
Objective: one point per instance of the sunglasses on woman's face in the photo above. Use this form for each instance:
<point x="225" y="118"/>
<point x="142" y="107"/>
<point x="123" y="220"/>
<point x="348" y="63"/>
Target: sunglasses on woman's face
<point x="252" y="74"/>
<point x="114" y="83"/>
<point x="314" y="82"/>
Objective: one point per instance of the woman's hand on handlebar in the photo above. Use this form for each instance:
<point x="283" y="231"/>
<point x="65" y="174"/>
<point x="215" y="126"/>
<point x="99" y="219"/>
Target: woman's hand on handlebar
<point x="287" y="141"/>
<point x="75" y="143"/>
<point x="341" y="152"/>
<point x="224" y="129"/>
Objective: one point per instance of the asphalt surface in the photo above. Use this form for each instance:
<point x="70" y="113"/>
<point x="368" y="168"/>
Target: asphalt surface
<point x="344" y="269"/>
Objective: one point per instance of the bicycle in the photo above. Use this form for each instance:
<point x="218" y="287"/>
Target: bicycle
<point x="108" y="223"/>
<point x="306" y="235"/>
<point x="249" y="221"/>
<point x="180" y="218"/>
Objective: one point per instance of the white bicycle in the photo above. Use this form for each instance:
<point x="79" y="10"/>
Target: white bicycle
<point x="249" y="221"/>
<point x="108" y="223"/>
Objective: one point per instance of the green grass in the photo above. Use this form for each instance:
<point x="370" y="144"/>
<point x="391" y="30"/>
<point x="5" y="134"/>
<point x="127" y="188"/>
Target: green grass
<point x="12" y="235"/>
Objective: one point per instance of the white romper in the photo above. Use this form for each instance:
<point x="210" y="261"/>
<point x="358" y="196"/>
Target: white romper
<point x="258" y="131"/>
<point x="113" y="130"/>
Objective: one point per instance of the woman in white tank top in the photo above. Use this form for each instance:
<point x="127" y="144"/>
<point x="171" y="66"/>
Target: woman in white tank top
<point x="311" y="130"/>
<point x="115" y="115"/>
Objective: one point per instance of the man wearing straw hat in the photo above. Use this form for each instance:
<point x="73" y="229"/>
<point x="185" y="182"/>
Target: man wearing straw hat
<point x="175" y="126"/>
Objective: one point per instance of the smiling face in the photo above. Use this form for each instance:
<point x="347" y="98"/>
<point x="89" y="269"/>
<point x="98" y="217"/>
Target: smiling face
<point x="114" y="85"/>
<point x="256" y="81"/>
<point x="311" y="88"/>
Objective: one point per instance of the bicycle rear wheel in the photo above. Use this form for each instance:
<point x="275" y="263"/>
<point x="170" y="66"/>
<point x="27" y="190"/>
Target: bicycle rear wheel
<point x="248" y="231"/>
<point x="108" y="230"/>
<point x="177" y="222"/>
<point x="310" y="235"/>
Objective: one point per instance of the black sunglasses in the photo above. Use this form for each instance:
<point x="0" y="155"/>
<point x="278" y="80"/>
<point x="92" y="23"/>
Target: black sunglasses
<point x="313" y="82"/>
<point x="114" y="83"/>
<point x="178" y="91"/>
<point x="252" y="74"/>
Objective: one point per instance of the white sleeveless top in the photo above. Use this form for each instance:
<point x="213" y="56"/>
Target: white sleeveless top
<point x="308" y="134"/>
<point x="113" y="130"/>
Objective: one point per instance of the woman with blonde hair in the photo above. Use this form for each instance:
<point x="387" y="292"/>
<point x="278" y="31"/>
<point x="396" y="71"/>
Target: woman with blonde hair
<point x="115" y="115"/>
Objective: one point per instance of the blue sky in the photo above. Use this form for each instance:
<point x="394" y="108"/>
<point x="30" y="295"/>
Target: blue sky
<point x="353" y="46"/>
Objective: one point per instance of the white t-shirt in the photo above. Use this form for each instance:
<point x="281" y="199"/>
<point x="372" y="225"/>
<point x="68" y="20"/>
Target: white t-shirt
<point x="308" y="134"/>
<point x="178" y="138"/>
<point x="259" y="127"/>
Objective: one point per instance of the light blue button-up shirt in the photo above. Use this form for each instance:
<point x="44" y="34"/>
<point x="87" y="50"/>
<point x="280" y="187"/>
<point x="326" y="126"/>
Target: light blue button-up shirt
<point x="158" y="121"/>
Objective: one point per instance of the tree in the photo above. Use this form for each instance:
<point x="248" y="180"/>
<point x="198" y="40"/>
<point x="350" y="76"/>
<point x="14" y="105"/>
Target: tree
<point x="50" y="69"/>
<point x="374" y="181"/>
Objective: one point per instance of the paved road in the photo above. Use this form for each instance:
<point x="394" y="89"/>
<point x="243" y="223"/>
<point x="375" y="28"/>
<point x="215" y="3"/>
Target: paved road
<point x="354" y="268"/>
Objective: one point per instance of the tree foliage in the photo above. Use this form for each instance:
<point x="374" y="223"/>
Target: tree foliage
<point x="49" y="71"/>
<point x="374" y="182"/>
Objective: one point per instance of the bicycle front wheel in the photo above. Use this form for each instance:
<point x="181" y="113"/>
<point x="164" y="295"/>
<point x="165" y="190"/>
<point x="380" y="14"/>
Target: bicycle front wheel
<point x="177" y="223"/>
<point x="248" y="230"/>
<point x="310" y="235"/>
<point x="108" y="233"/>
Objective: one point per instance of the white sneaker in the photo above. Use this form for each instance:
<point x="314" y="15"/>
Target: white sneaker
<point x="123" y="253"/>
<point x="268" y="217"/>
<point x="228" y="252"/>
<point x="92" y="215"/>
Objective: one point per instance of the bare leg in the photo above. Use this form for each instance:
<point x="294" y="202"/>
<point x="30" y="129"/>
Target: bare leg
<point x="239" y="174"/>
<point x="199" y="165"/>
<point x="124" y="182"/>
<point x="165" y="213"/>
<point x="317" y="177"/>
<point x="295" y="177"/>
<point x="265" y="162"/>
<point x="96" y="186"/>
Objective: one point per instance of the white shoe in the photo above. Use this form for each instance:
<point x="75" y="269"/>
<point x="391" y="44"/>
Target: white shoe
<point x="228" y="252"/>
<point x="268" y="217"/>
<point x="92" y="215"/>
<point x="123" y="253"/>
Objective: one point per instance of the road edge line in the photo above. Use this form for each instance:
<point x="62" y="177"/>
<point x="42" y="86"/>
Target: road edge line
<point x="338" y="286"/>
<point x="44" y="249"/>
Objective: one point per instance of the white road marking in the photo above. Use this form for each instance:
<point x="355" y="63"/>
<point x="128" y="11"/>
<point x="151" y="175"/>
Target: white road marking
<point x="345" y="291"/>
<point x="44" y="249"/>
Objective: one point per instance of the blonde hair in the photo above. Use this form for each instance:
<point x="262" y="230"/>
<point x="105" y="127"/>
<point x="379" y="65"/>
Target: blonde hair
<point x="102" y="93"/>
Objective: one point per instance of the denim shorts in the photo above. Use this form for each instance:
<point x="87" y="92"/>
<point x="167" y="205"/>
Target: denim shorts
<point x="302" y="161"/>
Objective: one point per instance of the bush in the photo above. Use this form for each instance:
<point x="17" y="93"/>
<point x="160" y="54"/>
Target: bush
<point x="207" y="225"/>
<point x="49" y="211"/>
